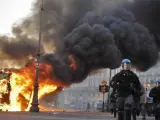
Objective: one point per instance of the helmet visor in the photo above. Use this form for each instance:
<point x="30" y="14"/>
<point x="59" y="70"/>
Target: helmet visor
<point x="126" y="66"/>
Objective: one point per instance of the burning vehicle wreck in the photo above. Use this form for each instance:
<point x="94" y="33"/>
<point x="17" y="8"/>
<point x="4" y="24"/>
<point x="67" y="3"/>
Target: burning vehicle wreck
<point x="16" y="85"/>
<point x="6" y="95"/>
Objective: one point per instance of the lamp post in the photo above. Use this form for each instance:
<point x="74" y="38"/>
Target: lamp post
<point x="34" y="105"/>
<point x="108" y="101"/>
<point x="103" y="103"/>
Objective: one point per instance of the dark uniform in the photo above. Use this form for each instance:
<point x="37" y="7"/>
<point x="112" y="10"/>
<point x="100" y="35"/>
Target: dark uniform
<point x="127" y="84"/>
<point x="136" y="107"/>
<point x="113" y="98"/>
<point x="155" y="93"/>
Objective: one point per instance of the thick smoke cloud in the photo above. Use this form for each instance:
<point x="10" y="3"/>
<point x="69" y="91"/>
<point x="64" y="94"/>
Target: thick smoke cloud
<point x="146" y="12"/>
<point x="116" y="35"/>
<point x="15" y="51"/>
<point x="95" y="36"/>
<point x="19" y="50"/>
<point x="102" y="41"/>
<point x="134" y="40"/>
<point x="94" y="45"/>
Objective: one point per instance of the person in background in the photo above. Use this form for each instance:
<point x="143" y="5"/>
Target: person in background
<point x="155" y="94"/>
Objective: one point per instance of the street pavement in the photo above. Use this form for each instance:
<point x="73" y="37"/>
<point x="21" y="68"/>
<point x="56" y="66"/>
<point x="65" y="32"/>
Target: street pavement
<point x="58" y="116"/>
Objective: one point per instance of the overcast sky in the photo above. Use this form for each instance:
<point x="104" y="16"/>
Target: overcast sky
<point x="12" y="10"/>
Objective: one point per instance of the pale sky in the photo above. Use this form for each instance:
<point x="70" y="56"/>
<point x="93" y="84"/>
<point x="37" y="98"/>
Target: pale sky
<point x="11" y="11"/>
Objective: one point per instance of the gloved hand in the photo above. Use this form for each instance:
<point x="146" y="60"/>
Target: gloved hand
<point x="113" y="84"/>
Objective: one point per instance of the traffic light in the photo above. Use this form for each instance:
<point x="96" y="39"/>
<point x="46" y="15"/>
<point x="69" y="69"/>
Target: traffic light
<point x="103" y="88"/>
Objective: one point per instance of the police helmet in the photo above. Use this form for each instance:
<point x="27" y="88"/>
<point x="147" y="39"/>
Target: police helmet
<point x="157" y="81"/>
<point x="126" y="61"/>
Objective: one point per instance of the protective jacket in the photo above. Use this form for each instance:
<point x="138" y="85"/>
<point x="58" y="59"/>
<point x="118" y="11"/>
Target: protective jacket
<point x="155" y="93"/>
<point x="126" y="82"/>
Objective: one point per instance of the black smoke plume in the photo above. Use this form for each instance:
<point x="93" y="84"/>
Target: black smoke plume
<point x="95" y="36"/>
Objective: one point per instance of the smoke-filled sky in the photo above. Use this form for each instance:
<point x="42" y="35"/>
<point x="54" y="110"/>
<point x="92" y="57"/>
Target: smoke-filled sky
<point x="95" y="33"/>
<point x="11" y="11"/>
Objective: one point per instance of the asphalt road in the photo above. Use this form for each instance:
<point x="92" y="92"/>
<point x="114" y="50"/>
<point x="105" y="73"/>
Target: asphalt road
<point x="57" y="116"/>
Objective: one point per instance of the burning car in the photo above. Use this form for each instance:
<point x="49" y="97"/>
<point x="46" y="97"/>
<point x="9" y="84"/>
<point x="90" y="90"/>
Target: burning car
<point x="16" y="86"/>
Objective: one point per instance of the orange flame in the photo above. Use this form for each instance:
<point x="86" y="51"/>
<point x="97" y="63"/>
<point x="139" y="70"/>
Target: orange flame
<point x="73" y="63"/>
<point x="22" y="82"/>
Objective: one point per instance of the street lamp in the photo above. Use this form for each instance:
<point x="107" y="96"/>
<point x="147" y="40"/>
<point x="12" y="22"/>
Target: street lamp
<point x="108" y="101"/>
<point x="34" y="105"/>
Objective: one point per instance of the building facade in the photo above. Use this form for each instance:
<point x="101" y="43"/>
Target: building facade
<point x="86" y="95"/>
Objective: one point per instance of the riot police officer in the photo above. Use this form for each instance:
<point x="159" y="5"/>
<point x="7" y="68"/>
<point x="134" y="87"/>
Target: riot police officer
<point x="127" y="84"/>
<point x="155" y="93"/>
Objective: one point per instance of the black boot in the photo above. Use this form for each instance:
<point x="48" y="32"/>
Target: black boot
<point x="115" y="113"/>
<point x="112" y="111"/>
<point x="143" y="118"/>
<point x="127" y="115"/>
<point x="156" y="117"/>
<point x="120" y="115"/>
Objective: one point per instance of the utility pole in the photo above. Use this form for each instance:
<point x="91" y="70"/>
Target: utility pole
<point x="34" y="105"/>
<point x="108" y="101"/>
<point x="103" y="103"/>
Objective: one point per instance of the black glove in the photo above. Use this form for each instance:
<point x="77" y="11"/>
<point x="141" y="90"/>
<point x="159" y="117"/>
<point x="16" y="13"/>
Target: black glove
<point x="115" y="85"/>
